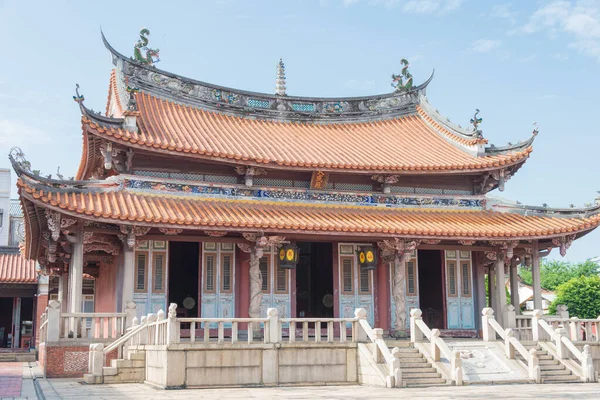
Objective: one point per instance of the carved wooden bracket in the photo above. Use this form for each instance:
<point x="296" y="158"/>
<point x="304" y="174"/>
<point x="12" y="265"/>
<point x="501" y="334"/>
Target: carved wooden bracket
<point x="215" y="233"/>
<point x="505" y="249"/>
<point x="249" y="173"/>
<point x="431" y="241"/>
<point x="131" y="232"/>
<point x="397" y="248"/>
<point x="319" y="180"/>
<point x="563" y="243"/>
<point x="54" y="220"/>
<point x="259" y="242"/>
<point x="386" y="181"/>
<point x="170" y="231"/>
<point x="105" y="247"/>
<point x="467" y="242"/>
<point x="96" y="258"/>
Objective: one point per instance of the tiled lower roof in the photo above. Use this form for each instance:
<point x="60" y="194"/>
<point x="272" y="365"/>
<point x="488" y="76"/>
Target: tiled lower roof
<point x="14" y="268"/>
<point x="196" y="212"/>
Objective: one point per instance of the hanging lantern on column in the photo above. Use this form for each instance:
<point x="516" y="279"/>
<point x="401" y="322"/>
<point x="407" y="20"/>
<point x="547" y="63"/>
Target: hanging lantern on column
<point x="288" y="256"/>
<point x="367" y="257"/>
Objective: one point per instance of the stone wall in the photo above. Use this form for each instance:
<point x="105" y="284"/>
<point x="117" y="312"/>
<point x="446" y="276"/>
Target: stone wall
<point x="67" y="360"/>
<point x="259" y="364"/>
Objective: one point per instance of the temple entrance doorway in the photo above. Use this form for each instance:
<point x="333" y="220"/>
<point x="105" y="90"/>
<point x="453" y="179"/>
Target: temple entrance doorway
<point x="314" y="280"/>
<point x="184" y="260"/>
<point x="431" y="288"/>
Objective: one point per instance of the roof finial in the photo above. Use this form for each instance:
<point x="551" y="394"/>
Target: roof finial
<point x="280" y="81"/>
<point x="404" y="81"/>
<point x="475" y="121"/>
<point x="78" y="97"/>
<point x="152" y="55"/>
<point x="535" y="129"/>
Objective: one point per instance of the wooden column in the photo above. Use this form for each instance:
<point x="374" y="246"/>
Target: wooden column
<point x="514" y="285"/>
<point x="479" y="278"/>
<point x="16" y="323"/>
<point x="63" y="281"/>
<point x="535" y="272"/>
<point x="500" y="288"/>
<point x="128" y="275"/>
<point x="491" y="288"/>
<point x="382" y="296"/>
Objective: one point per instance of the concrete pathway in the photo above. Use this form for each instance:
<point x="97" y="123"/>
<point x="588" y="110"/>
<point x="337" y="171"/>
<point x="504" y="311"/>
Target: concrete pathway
<point x="16" y="380"/>
<point x="55" y="389"/>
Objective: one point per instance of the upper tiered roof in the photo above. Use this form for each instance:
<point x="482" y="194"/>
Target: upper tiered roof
<point x="394" y="132"/>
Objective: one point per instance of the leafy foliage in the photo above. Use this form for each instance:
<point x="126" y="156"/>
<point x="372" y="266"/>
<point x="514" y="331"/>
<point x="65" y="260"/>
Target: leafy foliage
<point x="554" y="273"/>
<point x="581" y="295"/>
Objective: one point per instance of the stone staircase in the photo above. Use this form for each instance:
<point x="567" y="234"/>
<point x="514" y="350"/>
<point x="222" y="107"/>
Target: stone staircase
<point x="130" y="370"/>
<point x="416" y="370"/>
<point x="17" y="356"/>
<point x="552" y="370"/>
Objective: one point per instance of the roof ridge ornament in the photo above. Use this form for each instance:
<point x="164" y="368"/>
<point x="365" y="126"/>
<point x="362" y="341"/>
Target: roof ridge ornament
<point x="475" y="121"/>
<point x="536" y="130"/>
<point x="78" y="97"/>
<point x="152" y="55"/>
<point x="280" y="81"/>
<point x="404" y="81"/>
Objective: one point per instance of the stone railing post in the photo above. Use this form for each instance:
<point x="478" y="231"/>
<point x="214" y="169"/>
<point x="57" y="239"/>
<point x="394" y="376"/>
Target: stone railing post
<point x="535" y="372"/>
<point x="456" y="365"/>
<point x="377" y="355"/>
<point x="562" y="311"/>
<point x="130" y="313"/>
<point x="53" y="326"/>
<point x="510" y="316"/>
<point x="415" y="333"/>
<point x="488" y="333"/>
<point x="536" y="331"/>
<point x="361" y="335"/>
<point x="575" y="329"/>
<point x="435" y="349"/>
<point x="509" y="348"/>
<point x="96" y="359"/>
<point x="160" y="315"/>
<point x="273" y="325"/>
<point x="587" y="364"/>
<point x="561" y="349"/>
<point x="172" y="325"/>
<point x="395" y="371"/>
<point x="151" y="333"/>
<point x="143" y="336"/>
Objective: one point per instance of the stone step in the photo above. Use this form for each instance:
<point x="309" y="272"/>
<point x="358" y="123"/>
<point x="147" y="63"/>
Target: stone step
<point x="399" y="343"/>
<point x="109" y="371"/>
<point x="411" y="365"/>
<point x="561" y="379"/>
<point x="420" y="368"/>
<point x="555" y="372"/>
<point x="137" y="356"/>
<point x="127" y="363"/>
<point x="408" y="350"/>
<point x="128" y="375"/>
<point x="551" y="367"/>
<point x="545" y="357"/>
<point x="412" y="360"/>
<point x="424" y="382"/>
<point x="91" y="379"/>
<point x="409" y="376"/>
<point x="550" y="361"/>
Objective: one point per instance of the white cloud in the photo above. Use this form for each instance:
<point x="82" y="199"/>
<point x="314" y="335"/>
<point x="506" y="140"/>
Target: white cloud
<point x="359" y="84"/>
<point x="578" y="19"/>
<point x="484" y="45"/>
<point x="414" y="6"/>
<point x="504" y="11"/>
<point x="16" y="133"/>
<point x="348" y="3"/>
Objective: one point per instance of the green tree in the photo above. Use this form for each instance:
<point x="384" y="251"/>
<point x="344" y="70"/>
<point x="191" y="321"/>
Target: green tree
<point x="581" y="295"/>
<point x="554" y="273"/>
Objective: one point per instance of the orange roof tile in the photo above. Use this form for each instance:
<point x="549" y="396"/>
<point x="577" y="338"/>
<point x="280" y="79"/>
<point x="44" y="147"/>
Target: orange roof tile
<point x="198" y="212"/>
<point x="408" y="143"/>
<point x="14" y="268"/>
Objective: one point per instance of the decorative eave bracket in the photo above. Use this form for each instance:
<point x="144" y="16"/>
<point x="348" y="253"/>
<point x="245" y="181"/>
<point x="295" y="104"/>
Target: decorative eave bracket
<point x="397" y="249"/>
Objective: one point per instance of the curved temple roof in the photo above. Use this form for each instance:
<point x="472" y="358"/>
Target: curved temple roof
<point x="398" y="131"/>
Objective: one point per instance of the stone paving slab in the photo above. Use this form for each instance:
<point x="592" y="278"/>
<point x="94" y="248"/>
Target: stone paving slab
<point x="16" y="380"/>
<point x="55" y="389"/>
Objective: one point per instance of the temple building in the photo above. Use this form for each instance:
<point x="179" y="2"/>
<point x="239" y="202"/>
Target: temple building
<point x="195" y="194"/>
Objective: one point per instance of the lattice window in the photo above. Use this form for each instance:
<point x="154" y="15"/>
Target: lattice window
<point x="402" y="189"/>
<point x="303" y="107"/>
<point x="142" y="260"/>
<point x="281" y="280"/>
<point x="154" y="174"/>
<point x="364" y="280"/>
<point x="220" y="178"/>
<point x="257" y="103"/>
<point x="353" y="186"/>
<point x="209" y="266"/>
<point x="429" y="191"/>
<point x="452" y="278"/>
<point x="87" y="286"/>
<point x="226" y="273"/>
<point x="186" y="177"/>
<point x="466" y="278"/>
<point x="273" y="182"/>
<point x="159" y="272"/>
<point x="264" y="272"/>
<point x="457" y="191"/>
<point x="302" y="184"/>
<point x="410" y="278"/>
<point x="347" y="276"/>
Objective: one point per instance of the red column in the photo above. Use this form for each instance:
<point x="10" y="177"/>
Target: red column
<point x="383" y="307"/>
<point x="243" y="287"/>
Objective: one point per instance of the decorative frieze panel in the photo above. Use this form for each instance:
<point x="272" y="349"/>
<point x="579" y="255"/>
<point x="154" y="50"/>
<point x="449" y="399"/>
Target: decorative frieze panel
<point x="374" y="199"/>
<point x="563" y="243"/>
<point x="170" y="231"/>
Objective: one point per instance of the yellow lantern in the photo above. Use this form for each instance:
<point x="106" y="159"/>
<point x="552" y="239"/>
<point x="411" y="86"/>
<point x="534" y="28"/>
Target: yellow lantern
<point x="367" y="257"/>
<point x="288" y="256"/>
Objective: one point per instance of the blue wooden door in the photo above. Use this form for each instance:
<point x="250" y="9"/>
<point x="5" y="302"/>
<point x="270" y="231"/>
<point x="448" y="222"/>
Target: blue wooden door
<point x="355" y="285"/>
<point x="218" y="280"/>
<point x="459" y="290"/>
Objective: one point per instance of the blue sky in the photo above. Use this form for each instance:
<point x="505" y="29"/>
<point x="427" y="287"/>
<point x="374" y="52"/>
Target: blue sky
<point x="519" y="62"/>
